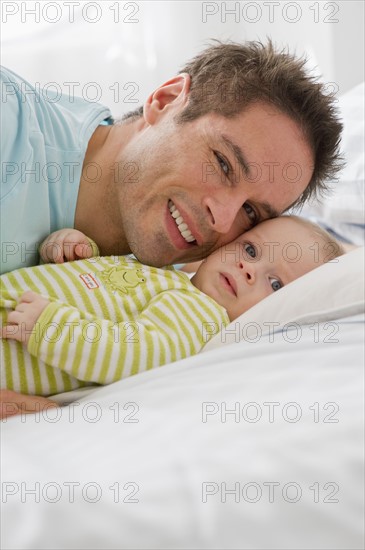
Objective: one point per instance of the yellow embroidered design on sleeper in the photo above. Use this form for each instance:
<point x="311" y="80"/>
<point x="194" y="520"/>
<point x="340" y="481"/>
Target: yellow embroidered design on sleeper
<point x="121" y="279"/>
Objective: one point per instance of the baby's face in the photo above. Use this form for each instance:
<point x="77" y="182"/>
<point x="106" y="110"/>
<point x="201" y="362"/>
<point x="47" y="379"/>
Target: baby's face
<point x="258" y="263"/>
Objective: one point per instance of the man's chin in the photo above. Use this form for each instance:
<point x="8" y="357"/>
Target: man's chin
<point x="147" y="259"/>
<point x="156" y="258"/>
<point x="152" y="259"/>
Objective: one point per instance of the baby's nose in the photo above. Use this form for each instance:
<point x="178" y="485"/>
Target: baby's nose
<point x="248" y="272"/>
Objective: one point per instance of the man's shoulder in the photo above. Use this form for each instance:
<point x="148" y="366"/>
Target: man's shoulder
<point x="66" y="121"/>
<point x="12" y="105"/>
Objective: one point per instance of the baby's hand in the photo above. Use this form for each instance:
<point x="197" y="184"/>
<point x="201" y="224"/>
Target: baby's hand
<point x="66" y="245"/>
<point x="21" y="321"/>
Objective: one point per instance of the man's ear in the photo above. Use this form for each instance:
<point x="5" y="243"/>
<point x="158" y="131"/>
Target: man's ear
<point x="173" y="93"/>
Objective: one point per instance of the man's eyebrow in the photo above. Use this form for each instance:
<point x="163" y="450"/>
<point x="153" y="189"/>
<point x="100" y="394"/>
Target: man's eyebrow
<point x="237" y="151"/>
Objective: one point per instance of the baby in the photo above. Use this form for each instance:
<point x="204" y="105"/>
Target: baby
<point x="97" y="320"/>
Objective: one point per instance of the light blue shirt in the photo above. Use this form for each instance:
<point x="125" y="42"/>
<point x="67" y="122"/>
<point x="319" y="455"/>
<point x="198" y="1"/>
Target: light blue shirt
<point x="44" y="137"/>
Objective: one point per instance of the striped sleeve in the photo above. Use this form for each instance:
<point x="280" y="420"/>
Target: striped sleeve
<point x="173" y="326"/>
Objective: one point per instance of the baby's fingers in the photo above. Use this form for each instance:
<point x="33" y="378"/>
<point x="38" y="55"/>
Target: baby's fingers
<point x="67" y="245"/>
<point x="52" y="250"/>
<point x="76" y="246"/>
<point x="84" y="250"/>
<point x="29" y="296"/>
<point x="11" y="332"/>
<point x="15" y="317"/>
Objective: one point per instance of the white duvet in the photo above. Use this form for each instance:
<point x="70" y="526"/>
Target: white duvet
<point x="249" y="446"/>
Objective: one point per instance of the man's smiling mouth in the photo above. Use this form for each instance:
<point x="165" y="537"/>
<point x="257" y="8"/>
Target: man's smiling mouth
<point x="181" y="225"/>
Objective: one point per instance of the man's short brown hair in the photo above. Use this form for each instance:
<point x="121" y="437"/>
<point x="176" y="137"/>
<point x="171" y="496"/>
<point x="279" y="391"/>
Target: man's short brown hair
<point x="228" y="77"/>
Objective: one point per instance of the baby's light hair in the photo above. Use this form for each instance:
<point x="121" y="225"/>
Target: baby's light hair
<point x="331" y="248"/>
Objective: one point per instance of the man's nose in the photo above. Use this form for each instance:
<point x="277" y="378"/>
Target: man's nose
<point x="248" y="272"/>
<point x="222" y="211"/>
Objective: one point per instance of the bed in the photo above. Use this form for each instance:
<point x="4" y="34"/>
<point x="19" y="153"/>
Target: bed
<point x="257" y="442"/>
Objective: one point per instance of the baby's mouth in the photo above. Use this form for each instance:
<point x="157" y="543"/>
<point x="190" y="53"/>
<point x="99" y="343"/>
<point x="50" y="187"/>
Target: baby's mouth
<point x="181" y="225"/>
<point x="229" y="282"/>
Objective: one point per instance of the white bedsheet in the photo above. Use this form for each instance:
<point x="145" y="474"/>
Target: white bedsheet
<point x="170" y="460"/>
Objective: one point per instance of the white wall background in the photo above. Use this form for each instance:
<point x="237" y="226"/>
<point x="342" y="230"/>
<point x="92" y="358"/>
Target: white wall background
<point x="118" y="52"/>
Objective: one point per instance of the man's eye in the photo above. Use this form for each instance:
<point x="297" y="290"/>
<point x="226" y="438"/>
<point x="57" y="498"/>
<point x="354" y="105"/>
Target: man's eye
<point x="276" y="284"/>
<point x="222" y="163"/>
<point x="250" y="250"/>
<point x="252" y="216"/>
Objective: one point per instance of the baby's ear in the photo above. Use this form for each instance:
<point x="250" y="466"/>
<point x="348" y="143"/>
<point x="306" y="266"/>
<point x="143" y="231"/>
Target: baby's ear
<point x="172" y="94"/>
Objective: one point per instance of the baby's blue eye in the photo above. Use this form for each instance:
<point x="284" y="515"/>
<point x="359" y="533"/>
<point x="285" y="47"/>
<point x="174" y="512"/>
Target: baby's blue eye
<point x="276" y="284"/>
<point x="251" y="250"/>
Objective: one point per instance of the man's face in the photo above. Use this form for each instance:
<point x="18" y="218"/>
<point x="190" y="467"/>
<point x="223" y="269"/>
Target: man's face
<point x="257" y="264"/>
<point x="188" y="189"/>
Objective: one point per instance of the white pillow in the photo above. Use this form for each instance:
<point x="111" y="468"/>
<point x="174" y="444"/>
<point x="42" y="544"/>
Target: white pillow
<point x="342" y="212"/>
<point x="331" y="291"/>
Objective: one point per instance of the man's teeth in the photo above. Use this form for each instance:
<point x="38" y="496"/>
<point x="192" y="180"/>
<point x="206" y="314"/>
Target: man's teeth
<point x="181" y="225"/>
